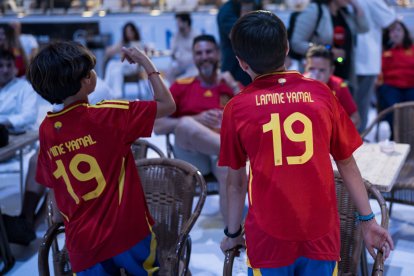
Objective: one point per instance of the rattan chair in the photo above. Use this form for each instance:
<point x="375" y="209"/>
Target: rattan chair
<point x="351" y="239"/>
<point x="170" y="187"/>
<point x="211" y="180"/>
<point x="403" y="131"/>
<point x="140" y="149"/>
<point x="144" y="149"/>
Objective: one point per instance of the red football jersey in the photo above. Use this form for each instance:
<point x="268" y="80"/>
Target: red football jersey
<point x="85" y="157"/>
<point x="341" y="91"/>
<point x="287" y="126"/>
<point x="192" y="98"/>
<point x="398" y="67"/>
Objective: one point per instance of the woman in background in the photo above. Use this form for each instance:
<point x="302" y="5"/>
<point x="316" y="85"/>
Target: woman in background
<point x="397" y="82"/>
<point x="340" y="21"/>
<point x="115" y="68"/>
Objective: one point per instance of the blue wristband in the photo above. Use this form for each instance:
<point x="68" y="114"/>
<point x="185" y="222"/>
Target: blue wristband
<point x="364" y="218"/>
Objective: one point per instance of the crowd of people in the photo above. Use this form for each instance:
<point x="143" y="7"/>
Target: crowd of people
<point x="352" y="53"/>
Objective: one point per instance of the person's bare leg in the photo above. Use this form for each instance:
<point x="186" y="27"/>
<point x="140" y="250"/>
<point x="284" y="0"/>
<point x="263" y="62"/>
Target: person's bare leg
<point x="193" y="136"/>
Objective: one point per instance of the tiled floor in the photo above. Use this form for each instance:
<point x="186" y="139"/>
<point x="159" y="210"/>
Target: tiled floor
<point x="206" y="257"/>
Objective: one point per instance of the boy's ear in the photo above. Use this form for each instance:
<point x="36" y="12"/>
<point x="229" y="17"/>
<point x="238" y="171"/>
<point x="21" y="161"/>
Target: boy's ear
<point x="244" y="66"/>
<point x="288" y="48"/>
<point x="87" y="79"/>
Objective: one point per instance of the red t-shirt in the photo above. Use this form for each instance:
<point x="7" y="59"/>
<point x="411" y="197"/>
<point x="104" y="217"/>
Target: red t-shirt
<point x="341" y="91"/>
<point x="287" y="125"/>
<point x="398" y="67"/>
<point x="192" y="98"/>
<point x="85" y="157"/>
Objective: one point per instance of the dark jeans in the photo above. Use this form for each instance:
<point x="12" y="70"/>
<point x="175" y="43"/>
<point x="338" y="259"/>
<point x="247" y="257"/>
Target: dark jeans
<point x="389" y="95"/>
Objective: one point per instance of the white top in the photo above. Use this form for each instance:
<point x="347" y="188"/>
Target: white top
<point x="369" y="45"/>
<point x="29" y="43"/>
<point x="18" y="104"/>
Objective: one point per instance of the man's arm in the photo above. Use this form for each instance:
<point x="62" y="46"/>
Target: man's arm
<point x="25" y="114"/>
<point x="375" y="237"/>
<point x="162" y="95"/>
<point x="236" y="194"/>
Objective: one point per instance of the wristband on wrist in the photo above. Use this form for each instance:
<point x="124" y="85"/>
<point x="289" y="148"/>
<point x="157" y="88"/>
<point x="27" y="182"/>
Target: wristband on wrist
<point x="233" y="235"/>
<point x="364" y="218"/>
<point x="153" y="73"/>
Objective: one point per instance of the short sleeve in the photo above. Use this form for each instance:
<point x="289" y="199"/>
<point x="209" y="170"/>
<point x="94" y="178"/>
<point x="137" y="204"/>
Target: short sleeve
<point x="140" y="120"/>
<point x="43" y="171"/>
<point x="345" y="138"/>
<point x="232" y="153"/>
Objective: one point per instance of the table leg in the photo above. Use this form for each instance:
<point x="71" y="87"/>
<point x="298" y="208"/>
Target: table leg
<point x="21" y="177"/>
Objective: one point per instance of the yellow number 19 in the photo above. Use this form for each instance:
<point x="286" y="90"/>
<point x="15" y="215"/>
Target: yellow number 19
<point x="94" y="172"/>
<point x="305" y="136"/>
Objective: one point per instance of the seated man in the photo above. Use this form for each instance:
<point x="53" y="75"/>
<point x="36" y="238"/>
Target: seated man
<point x="320" y="66"/>
<point x="197" y="120"/>
<point x="18" y="101"/>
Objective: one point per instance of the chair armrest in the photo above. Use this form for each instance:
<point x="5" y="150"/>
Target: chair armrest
<point x="378" y="268"/>
<point x="229" y="256"/>
<point x="44" y="248"/>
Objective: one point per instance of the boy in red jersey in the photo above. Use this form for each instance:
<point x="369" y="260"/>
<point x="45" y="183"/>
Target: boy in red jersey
<point x="287" y="125"/>
<point x="320" y="66"/>
<point x="85" y="157"/>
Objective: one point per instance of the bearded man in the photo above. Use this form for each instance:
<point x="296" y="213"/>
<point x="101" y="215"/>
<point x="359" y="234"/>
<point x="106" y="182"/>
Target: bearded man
<point x="200" y="101"/>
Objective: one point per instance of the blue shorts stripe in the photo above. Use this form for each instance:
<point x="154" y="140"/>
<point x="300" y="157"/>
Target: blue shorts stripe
<point x="302" y="266"/>
<point x="139" y="260"/>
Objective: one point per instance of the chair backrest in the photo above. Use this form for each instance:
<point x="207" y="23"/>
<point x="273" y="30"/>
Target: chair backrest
<point x="350" y="233"/>
<point x="403" y="124"/>
<point x="170" y="186"/>
<point x="143" y="149"/>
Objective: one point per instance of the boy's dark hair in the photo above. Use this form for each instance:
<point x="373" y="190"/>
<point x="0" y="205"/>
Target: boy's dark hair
<point x="56" y="72"/>
<point x="205" y="37"/>
<point x="321" y="52"/>
<point x="6" y="55"/>
<point x="259" y="38"/>
<point x="184" y="16"/>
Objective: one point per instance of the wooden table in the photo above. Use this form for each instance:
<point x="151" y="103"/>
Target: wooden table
<point x="16" y="145"/>
<point x="380" y="168"/>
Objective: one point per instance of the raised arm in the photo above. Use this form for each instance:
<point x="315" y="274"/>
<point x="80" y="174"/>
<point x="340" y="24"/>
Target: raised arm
<point x="165" y="102"/>
<point x="375" y="237"/>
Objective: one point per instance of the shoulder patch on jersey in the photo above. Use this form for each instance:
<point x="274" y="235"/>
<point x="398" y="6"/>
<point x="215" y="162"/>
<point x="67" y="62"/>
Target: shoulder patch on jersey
<point x="185" y="80"/>
<point x="344" y="84"/>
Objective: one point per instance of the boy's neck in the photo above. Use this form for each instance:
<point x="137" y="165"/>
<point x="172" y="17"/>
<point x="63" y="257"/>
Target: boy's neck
<point x="254" y="75"/>
<point x="75" y="98"/>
